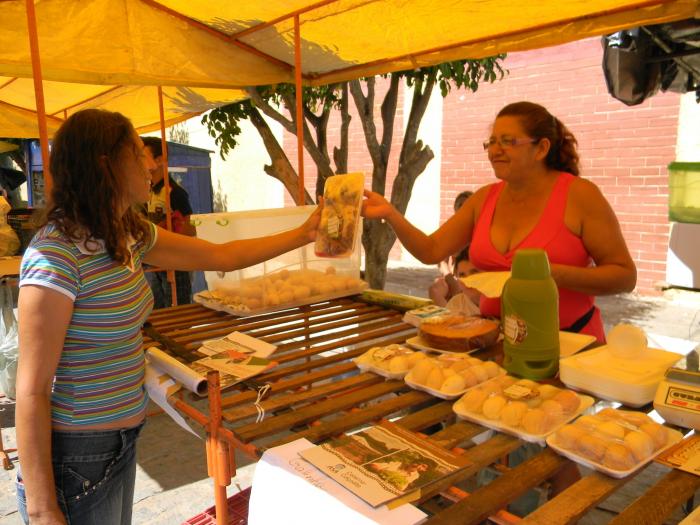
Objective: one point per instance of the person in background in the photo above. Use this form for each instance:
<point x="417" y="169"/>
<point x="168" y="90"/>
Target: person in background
<point x="180" y="220"/>
<point x="83" y="300"/>
<point x="462" y="298"/>
<point x="539" y="202"/>
<point x="444" y="287"/>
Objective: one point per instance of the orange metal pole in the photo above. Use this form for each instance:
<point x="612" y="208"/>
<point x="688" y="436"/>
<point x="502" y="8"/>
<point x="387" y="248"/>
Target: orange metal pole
<point x="300" y="108"/>
<point x="217" y="451"/>
<point x="39" y="96"/>
<point x="166" y="184"/>
<point x="282" y="18"/>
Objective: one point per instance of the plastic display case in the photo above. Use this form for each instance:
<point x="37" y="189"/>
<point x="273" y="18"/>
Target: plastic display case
<point x="292" y="279"/>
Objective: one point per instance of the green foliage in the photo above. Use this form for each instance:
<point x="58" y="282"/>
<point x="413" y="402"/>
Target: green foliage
<point x="223" y="123"/>
<point x="459" y="73"/>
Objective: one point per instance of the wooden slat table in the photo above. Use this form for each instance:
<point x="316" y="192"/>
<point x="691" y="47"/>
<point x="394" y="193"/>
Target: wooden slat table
<point x="316" y="392"/>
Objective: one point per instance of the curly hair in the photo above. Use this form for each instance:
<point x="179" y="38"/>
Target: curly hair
<point x="541" y="124"/>
<point x="87" y="193"/>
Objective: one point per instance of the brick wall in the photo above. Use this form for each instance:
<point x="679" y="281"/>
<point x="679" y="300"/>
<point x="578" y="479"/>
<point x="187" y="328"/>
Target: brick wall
<point x="623" y="150"/>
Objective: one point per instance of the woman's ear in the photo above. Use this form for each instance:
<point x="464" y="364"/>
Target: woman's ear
<point x="543" y="147"/>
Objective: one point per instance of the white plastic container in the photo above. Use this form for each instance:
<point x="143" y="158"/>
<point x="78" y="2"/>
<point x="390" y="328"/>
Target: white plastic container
<point x="632" y="382"/>
<point x="229" y="226"/>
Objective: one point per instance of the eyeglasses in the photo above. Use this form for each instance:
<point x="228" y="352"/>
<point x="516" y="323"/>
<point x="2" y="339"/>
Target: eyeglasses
<point x="506" y="141"/>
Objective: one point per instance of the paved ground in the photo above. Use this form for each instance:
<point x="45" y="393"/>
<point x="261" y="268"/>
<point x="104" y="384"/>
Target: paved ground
<point x="172" y="484"/>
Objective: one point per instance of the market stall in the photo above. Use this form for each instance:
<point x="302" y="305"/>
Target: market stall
<point x="317" y="392"/>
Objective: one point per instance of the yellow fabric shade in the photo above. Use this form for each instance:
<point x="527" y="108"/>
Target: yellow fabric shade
<point x="140" y="103"/>
<point x="109" y="53"/>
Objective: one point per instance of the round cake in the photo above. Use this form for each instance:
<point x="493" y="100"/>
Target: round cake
<point x="459" y="333"/>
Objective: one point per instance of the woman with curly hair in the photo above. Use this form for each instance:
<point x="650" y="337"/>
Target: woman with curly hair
<point x="539" y="202"/>
<point x="83" y="300"/>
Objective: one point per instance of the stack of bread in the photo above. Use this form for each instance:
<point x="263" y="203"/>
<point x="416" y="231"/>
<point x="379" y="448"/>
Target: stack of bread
<point x="616" y="440"/>
<point x="458" y="333"/>
<point x="392" y="361"/>
<point x="449" y="376"/>
<point x="521" y="405"/>
<point x="282" y="288"/>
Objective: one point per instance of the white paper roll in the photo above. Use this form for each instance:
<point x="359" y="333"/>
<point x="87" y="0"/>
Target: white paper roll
<point x="183" y="374"/>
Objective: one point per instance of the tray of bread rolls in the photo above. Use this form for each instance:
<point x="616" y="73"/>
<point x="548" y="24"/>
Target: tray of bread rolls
<point x="280" y="290"/>
<point x="615" y="442"/>
<point x="392" y="361"/>
<point x="521" y="407"/>
<point x="449" y="376"/>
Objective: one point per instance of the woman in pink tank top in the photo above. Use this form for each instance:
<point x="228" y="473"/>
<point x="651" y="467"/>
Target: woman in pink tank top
<point x="540" y="202"/>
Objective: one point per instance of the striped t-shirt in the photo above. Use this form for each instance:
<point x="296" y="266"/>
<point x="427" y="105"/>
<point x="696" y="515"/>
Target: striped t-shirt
<point x="100" y="375"/>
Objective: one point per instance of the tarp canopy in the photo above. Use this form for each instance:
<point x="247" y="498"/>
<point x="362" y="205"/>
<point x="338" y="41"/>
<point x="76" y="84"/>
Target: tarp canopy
<point x="103" y="53"/>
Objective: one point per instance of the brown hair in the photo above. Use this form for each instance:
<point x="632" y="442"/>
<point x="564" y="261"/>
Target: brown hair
<point x="87" y="194"/>
<point x="462" y="198"/>
<point x="541" y="124"/>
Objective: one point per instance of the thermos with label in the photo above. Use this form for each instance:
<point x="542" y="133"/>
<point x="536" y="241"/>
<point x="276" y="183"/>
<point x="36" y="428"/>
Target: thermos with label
<point x="530" y="317"/>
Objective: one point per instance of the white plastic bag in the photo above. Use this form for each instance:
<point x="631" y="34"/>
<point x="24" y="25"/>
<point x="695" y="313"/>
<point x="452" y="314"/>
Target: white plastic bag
<point x="9" y="346"/>
<point x="9" y="242"/>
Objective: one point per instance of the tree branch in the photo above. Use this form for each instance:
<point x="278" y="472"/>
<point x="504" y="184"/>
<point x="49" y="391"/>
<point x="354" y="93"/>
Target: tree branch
<point x="365" y="110"/>
<point x="340" y="155"/>
<point x="281" y="169"/>
<point x="271" y="112"/>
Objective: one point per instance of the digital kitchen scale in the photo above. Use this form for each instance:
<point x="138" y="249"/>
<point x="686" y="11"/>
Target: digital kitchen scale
<point x="677" y="398"/>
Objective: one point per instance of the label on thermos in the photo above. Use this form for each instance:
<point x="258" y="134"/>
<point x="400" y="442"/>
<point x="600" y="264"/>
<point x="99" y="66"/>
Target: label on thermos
<point x="514" y="329"/>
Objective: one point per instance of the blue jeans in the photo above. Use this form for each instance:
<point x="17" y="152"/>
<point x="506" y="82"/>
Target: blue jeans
<point x="162" y="291"/>
<point x="94" y="473"/>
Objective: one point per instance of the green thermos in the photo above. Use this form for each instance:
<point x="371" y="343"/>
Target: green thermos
<point x="530" y="317"/>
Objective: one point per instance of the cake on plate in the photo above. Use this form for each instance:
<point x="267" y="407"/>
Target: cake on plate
<point x="459" y="333"/>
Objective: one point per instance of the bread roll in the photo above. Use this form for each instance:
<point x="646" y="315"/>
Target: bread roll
<point x="453" y="384"/>
<point x="618" y="456"/>
<point x="640" y="443"/>
<point x="553" y="412"/>
<point x="398" y="364"/>
<point x="548" y="391"/>
<point x="473" y="400"/>
<point x="512" y="414"/>
<point x="534" y="421"/>
<point x="415" y="357"/>
<point x="469" y="378"/>
<point x="420" y="372"/>
<point x="435" y="378"/>
<point x="612" y="430"/>
<point x="493" y="406"/>
<point x="569" y="435"/>
<point x="656" y="432"/>
<point x="569" y="401"/>
<point x="492" y="368"/>
<point x="480" y="372"/>
<point x="591" y="447"/>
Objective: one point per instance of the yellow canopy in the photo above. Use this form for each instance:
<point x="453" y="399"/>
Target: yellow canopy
<point x="140" y="103"/>
<point x="104" y="53"/>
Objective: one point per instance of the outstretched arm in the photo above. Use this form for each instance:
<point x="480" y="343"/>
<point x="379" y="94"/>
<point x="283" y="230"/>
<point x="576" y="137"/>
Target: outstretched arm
<point x="180" y="252"/>
<point x="451" y="237"/>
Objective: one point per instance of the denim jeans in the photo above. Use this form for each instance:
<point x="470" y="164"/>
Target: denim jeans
<point x="162" y="291"/>
<point x="94" y="473"/>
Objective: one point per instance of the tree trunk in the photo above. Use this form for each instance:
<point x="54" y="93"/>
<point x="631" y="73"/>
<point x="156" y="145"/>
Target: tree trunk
<point x="377" y="240"/>
<point x="281" y="169"/>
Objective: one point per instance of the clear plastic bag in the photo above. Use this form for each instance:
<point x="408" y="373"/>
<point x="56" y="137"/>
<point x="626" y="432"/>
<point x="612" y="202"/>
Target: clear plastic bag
<point x="9" y="345"/>
<point x="340" y="218"/>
